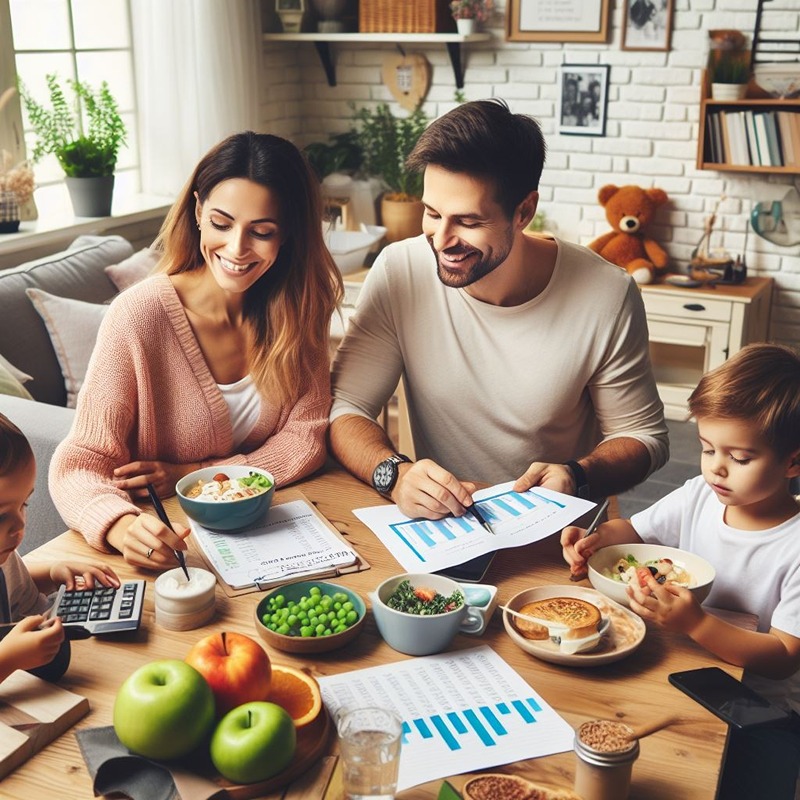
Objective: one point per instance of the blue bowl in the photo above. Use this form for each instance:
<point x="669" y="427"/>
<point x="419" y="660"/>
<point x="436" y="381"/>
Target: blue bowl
<point x="229" y="516"/>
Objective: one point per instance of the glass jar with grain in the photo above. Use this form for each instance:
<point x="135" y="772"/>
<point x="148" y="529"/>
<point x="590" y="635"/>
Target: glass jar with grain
<point x="605" y="754"/>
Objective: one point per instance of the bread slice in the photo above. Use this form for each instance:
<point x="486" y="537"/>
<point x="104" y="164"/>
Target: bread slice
<point x="567" y="617"/>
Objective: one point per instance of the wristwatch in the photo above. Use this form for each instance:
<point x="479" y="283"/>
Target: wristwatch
<point x="386" y="473"/>
<point x="579" y="476"/>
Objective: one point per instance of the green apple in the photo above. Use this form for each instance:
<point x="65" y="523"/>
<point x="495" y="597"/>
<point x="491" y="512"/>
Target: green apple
<point x="163" y="710"/>
<point x="253" y="742"/>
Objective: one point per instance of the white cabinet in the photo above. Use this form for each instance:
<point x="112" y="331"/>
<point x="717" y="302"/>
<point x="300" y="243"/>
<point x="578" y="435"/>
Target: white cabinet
<point x="694" y="330"/>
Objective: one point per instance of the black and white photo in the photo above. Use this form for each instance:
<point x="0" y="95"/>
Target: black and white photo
<point x="582" y="100"/>
<point x="647" y="24"/>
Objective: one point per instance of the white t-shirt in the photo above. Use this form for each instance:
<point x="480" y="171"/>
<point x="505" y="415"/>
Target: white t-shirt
<point x="24" y="598"/>
<point x="758" y="572"/>
<point x="491" y="389"/>
<point x="244" y="404"/>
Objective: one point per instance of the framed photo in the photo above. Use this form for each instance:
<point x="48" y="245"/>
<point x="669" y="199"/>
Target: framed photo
<point x="583" y="99"/>
<point x="557" y="20"/>
<point x="647" y="24"/>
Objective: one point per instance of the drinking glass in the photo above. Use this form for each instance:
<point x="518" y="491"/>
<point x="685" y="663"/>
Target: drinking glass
<point x="369" y="743"/>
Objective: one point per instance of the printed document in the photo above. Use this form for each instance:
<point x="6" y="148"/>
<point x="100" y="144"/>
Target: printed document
<point x="517" y="518"/>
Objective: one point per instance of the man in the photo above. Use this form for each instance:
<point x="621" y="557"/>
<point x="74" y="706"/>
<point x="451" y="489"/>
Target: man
<point x="522" y="357"/>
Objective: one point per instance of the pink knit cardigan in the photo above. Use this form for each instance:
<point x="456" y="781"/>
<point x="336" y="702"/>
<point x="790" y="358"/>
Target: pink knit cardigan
<point x="149" y="394"/>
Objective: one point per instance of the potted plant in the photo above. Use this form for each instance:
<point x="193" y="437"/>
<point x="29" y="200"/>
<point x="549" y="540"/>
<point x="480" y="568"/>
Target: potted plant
<point x="386" y="141"/>
<point x="85" y="141"/>
<point x="728" y="64"/>
<point x="470" y="14"/>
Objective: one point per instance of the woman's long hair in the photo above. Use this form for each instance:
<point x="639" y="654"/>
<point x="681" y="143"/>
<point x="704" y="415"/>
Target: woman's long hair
<point x="289" y="308"/>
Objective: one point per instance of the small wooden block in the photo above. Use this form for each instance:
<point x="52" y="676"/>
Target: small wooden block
<point x="33" y="712"/>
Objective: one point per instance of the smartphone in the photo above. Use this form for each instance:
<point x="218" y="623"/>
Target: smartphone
<point x="728" y="698"/>
<point x="471" y="571"/>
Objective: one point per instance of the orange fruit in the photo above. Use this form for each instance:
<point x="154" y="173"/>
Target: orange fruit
<point x="297" y="692"/>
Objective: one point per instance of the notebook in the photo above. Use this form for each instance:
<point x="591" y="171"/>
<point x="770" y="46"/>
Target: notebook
<point x="295" y="542"/>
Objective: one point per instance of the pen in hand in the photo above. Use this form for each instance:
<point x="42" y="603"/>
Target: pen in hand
<point x="473" y="509"/>
<point x="592" y="525"/>
<point x="162" y="515"/>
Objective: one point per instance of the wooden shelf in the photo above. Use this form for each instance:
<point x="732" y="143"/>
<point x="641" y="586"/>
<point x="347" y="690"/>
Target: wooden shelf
<point x="756" y="99"/>
<point x="322" y="42"/>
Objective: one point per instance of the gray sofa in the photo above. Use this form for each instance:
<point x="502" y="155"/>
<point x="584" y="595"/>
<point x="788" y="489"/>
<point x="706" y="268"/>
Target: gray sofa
<point x="77" y="273"/>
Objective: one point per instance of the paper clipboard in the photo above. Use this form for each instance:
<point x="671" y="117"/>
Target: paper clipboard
<point x="286" y="496"/>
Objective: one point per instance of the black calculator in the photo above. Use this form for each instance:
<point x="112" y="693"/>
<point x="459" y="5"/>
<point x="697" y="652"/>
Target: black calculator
<point x="104" y="609"/>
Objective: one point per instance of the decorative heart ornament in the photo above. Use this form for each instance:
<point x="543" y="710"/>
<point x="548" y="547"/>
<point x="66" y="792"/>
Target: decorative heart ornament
<point x="408" y="78"/>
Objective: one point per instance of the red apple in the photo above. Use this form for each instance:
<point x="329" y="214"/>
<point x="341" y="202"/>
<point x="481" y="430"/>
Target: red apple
<point x="236" y="667"/>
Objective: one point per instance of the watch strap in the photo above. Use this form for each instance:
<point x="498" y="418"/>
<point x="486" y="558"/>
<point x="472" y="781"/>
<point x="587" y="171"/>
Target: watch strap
<point x="581" y="480"/>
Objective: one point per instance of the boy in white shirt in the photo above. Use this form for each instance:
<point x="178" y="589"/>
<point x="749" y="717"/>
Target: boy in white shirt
<point x="33" y="643"/>
<point x="741" y="516"/>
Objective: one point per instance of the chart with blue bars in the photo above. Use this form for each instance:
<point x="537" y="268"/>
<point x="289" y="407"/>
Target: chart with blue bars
<point x="487" y="722"/>
<point x="421" y="536"/>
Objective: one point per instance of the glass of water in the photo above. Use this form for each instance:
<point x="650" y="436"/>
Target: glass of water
<point x="369" y="743"/>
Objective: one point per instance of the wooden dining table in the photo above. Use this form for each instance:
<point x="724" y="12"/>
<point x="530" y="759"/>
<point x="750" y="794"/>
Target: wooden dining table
<point x="678" y="762"/>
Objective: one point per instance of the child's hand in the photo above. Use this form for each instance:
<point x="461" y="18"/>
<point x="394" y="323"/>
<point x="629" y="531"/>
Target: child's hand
<point x="670" y="606"/>
<point x="27" y="646"/>
<point x="75" y="572"/>
<point x="577" y="550"/>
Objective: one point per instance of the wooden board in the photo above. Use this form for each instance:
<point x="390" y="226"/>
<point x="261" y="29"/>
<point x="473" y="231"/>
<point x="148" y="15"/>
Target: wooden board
<point x="312" y="744"/>
<point x="33" y="712"/>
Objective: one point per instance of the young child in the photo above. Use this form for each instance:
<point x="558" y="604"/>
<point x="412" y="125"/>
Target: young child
<point x="34" y="641"/>
<point x="741" y="516"/>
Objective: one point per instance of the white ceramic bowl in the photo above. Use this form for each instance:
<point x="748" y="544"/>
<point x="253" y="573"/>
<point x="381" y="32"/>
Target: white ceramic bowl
<point x="349" y="248"/>
<point x="778" y="79"/>
<point x="701" y="571"/>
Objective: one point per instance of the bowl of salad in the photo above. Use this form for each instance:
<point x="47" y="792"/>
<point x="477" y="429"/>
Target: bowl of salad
<point x="420" y="614"/>
<point x="613" y="568"/>
<point x="226" y="498"/>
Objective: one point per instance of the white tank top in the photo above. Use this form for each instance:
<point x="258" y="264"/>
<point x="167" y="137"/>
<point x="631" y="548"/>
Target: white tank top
<point x="244" y="405"/>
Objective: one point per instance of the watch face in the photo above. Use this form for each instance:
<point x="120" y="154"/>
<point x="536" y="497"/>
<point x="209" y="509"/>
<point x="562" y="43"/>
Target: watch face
<point x="385" y="475"/>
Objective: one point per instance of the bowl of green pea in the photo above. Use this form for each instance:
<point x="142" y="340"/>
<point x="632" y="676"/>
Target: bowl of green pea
<point x="310" y="617"/>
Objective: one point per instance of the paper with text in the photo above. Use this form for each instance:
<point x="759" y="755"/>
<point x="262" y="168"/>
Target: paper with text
<point x="517" y="518"/>
<point x="462" y="711"/>
<point x="293" y="542"/>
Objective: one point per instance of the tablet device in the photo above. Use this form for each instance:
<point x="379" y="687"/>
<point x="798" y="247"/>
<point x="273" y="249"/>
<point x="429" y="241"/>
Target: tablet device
<point x="729" y="699"/>
<point x="471" y="571"/>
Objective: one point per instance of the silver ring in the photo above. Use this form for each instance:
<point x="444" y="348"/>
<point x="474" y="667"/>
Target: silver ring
<point x="149" y="551"/>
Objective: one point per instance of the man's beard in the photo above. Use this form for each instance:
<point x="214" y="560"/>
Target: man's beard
<point x="486" y="263"/>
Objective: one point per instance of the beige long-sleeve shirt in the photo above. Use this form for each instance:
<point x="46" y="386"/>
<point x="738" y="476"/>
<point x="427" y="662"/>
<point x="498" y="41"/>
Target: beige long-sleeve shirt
<point x="491" y="389"/>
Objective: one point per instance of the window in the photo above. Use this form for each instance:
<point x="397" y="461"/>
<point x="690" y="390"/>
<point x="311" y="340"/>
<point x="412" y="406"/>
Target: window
<point x="86" y="40"/>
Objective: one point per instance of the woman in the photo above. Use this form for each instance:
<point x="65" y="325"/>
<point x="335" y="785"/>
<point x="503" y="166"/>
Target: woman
<point x="221" y="357"/>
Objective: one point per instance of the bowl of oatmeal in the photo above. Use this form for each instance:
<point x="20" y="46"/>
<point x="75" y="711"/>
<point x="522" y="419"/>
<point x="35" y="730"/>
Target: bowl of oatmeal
<point x="226" y="498"/>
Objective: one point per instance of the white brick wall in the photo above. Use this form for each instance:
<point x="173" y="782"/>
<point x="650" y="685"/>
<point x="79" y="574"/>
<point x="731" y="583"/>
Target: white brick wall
<point x="652" y="128"/>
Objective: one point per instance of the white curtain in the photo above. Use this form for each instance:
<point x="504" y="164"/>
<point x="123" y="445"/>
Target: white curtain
<point x="197" y="66"/>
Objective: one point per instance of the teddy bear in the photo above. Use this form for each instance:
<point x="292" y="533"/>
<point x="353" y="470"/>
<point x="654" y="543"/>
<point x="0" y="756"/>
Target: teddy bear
<point x="629" y="210"/>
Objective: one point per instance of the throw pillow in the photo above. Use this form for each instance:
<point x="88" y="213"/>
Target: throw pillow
<point x="72" y="326"/>
<point x="133" y="269"/>
<point x="9" y="384"/>
<point x="21" y="377"/>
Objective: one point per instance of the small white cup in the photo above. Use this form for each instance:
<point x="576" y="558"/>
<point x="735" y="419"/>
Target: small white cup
<point x="183" y="605"/>
<point x="369" y="745"/>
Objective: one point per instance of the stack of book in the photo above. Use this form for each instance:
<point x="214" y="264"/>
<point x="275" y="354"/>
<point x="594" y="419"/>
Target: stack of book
<point x="753" y="138"/>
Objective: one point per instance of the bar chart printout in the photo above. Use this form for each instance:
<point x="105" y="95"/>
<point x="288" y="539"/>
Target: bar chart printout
<point x="517" y="518"/>
<point x="461" y="712"/>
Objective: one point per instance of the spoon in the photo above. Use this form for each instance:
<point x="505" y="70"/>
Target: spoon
<point x="659" y="723"/>
<point x="594" y="523"/>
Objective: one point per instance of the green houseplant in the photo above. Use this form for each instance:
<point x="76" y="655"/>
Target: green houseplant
<point x="84" y="137"/>
<point x="386" y="142"/>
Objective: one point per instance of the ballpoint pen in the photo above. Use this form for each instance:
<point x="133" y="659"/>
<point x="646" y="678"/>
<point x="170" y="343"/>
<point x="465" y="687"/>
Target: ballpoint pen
<point x="592" y="525"/>
<point x="478" y="516"/>
<point x="162" y="515"/>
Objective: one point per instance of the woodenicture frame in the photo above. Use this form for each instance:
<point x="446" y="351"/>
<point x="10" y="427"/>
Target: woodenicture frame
<point x="647" y="24"/>
<point x="557" y="20"/>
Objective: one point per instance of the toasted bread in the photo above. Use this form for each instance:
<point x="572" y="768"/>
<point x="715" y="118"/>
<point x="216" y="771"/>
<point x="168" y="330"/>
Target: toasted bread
<point x="575" y="617"/>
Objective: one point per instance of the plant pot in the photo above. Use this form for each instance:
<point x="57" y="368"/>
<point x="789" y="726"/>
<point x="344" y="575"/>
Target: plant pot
<point x="466" y="26"/>
<point x="402" y="218"/>
<point x="91" y="197"/>
<point x="728" y="91"/>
